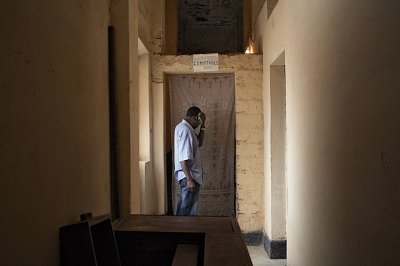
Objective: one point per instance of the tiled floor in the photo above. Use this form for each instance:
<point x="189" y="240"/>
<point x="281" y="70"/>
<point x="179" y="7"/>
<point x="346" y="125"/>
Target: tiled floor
<point x="260" y="258"/>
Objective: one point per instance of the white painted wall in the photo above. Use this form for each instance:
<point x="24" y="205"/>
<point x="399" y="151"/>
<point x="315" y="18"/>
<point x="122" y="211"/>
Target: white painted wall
<point x="342" y="63"/>
<point x="271" y="34"/>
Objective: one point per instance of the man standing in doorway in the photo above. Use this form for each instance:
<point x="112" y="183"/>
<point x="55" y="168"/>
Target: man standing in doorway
<point x="188" y="169"/>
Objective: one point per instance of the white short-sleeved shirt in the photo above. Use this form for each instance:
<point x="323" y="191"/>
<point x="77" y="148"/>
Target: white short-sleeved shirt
<point x="186" y="147"/>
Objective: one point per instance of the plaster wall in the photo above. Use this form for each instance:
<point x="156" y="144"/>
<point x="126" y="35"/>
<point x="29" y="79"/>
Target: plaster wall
<point x="133" y="110"/>
<point x="272" y="33"/>
<point x="342" y="116"/>
<point x="256" y="6"/>
<point x="249" y="129"/>
<point x="146" y="185"/>
<point x="278" y="152"/>
<point x="159" y="149"/>
<point x="145" y="136"/>
<point x="54" y="155"/>
<point x="151" y="20"/>
<point x="144" y="108"/>
<point x="124" y="17"/>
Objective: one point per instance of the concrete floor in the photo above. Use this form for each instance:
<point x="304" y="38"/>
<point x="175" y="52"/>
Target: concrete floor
<point x="260" y="258"/>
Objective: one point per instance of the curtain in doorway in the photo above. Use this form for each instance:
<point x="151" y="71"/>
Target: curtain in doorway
<point x="214" y="94"/>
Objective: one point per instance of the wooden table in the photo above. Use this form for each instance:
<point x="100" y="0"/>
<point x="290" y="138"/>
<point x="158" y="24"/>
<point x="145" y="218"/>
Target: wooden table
<point x="219" y="239"/>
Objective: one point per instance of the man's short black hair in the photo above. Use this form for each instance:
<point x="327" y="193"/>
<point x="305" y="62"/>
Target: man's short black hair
<point x="193" y="111"/>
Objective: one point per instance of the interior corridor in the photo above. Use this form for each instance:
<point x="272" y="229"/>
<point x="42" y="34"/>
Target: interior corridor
<point x="86" y="122"/>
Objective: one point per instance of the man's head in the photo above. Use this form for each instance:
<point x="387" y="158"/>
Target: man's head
<point x="192" y="116"/>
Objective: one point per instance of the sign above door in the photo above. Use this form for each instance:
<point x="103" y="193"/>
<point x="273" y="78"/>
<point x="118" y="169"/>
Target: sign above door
<point x="205" y="62"/>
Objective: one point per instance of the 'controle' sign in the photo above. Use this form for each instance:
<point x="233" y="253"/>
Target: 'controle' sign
<point x="205" y="62"/>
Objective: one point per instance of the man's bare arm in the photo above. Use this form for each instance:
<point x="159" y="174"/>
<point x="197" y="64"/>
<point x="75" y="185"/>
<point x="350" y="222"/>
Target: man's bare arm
<point x="190" y="180"/>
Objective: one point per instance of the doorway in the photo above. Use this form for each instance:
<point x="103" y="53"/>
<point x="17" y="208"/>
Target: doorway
<point x="276" y="242"/>
<point x="214" y="94"/>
